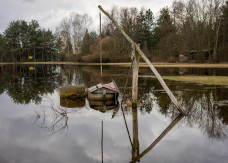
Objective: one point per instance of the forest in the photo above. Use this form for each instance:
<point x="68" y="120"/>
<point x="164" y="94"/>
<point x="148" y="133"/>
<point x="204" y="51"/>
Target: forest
<point x="186" y="31"/>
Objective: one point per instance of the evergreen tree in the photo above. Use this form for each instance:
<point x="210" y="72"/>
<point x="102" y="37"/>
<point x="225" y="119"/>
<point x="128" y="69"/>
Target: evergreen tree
<point x="223" y="35"/>
<point x="88" y="40"/>
<point x="2" y="48"/>
<point x="165" y="34"/>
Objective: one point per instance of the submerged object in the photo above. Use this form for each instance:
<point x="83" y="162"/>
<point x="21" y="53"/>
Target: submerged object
<point x="102" y="97"/>
<point x="103" y="92"/>
<point x="73" y="92"/>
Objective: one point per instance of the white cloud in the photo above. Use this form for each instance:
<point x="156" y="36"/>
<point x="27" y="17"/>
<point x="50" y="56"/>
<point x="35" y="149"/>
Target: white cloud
<point x="50" y="12"/>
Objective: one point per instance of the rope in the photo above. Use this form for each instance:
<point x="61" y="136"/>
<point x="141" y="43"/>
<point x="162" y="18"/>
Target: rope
<point x="121" y="106"/>
<point x="123" y="97"/>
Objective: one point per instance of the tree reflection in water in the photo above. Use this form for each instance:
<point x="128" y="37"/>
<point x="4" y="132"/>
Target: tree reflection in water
<point x="200" y="101"/>
<point x="53" y="118"/>
<point x="25" y="85"/>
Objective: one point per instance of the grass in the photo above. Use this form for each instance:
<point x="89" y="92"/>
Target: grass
<point x="212" y="80"/>
<point x="127" y="64"/>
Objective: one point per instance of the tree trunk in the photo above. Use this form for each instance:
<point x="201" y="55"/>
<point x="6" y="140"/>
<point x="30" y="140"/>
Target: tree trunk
<point x="13" y="56"/>
<point x="215" y="55"/>
<point x="42" y="54"/>
<point x="34" y="52"/>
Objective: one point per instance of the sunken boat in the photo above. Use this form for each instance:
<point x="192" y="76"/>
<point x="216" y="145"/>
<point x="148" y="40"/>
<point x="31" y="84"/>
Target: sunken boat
<point x="99" y="92"/>
<point x="104" y="92"/>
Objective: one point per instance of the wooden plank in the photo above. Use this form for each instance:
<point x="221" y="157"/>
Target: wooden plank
<point x="165" y="87"/>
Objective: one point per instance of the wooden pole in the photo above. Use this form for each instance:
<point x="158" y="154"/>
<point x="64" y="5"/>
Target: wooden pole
<point x="100" y="46"/>
<point x="135" y="147"/>
<point x="170" y="94"/>
<point x="135" y="70"/>
<point x="102" y="157"/>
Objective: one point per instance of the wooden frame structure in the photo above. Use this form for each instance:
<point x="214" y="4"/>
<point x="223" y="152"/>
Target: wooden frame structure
<point x="136" y="67"/>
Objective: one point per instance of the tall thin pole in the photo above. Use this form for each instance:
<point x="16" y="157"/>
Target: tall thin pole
<point x="100" y="46"/>
<point x="102" y="158"/>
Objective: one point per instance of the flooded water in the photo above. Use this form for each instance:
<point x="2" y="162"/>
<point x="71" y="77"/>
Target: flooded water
<point x="36" y="126"/>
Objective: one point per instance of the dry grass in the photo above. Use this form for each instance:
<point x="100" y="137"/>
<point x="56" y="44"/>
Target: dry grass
<point x="212" y="80"/>
<point x="127" y="64"/>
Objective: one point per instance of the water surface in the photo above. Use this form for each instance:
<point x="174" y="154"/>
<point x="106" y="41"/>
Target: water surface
<point x="36" y="128"/>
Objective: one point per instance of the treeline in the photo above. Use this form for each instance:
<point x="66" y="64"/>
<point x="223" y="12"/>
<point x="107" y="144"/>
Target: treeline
<point x="187" y="31"/>
<point x="192" y="31"/>
<point x="24" y="41"/>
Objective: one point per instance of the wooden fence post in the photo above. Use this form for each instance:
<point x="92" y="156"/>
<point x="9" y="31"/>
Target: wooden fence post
<point x="135" y="70"/>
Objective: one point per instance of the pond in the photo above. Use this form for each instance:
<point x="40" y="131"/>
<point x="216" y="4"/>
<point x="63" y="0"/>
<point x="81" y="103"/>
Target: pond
<point x="37" y="126"/>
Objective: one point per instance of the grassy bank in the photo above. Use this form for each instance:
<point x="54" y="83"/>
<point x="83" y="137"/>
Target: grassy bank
<point x="156" y="64"/>
<point x="214" y="80"/>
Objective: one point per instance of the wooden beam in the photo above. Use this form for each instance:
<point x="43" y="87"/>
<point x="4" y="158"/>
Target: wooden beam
<point x="158" y="76"/>
<point x="135" y="70"/>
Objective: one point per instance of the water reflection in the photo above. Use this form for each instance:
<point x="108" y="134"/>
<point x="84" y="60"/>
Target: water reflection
<point x="136" y="155"/>
<point x="127" y="132"/>
<point x="24" y="85"/>
<point x="202" y="102"/>
<point x="69" y="103"/>
<point x="54" y="119"/>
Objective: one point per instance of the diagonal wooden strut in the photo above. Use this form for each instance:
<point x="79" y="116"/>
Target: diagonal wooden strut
<point x="158" y="76"/>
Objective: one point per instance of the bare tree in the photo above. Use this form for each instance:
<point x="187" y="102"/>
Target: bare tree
<point x="72" y="29"/>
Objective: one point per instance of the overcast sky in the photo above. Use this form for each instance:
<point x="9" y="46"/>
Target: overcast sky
<point x="50" y="12"/>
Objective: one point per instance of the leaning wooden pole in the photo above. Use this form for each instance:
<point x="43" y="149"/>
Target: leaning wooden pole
<point x="158" y="76"/>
